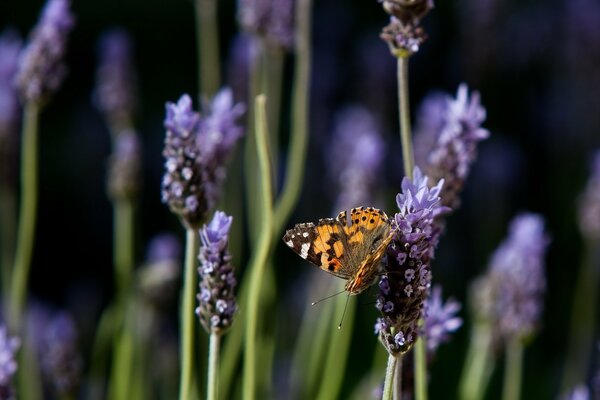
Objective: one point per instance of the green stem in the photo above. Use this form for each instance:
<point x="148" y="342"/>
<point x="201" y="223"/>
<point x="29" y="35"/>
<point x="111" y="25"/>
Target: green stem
<point x="273" y="79"/>
<point x="123" y="244"/>
<point x="27" y="213"/>
<point x="581" y="336"/>
<point x="7" y="235"/>
<point x="389" y="378"/>
<point x="207" y="42"/>
<point x="213" y="366"/>
<point x="99" y="358"/>
<point x="261" y="252"/>
<point x="187" y="314"/>
<point x="513" y="370"/>
<point x="420" y="351"/>
<point x="404" y="115"/>
<point x="478" y="364"/>
<point x="299" y="136"/>
<point x="398" y="380"/>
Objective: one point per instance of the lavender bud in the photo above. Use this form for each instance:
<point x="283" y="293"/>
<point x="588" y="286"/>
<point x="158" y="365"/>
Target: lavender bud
<point x="440" y="319"/>
<point x="116" y="87"/>
<point x="41" y="70"/>
<point x="217" y="305"/>
<point x="408" y="275"/>
<point x="124" y="166"/>
<point x="8" y="363"/>
<point x="407" y="11"/>
<point x="510" y="294"/>
<point x="358" y="153"/>
<point x="159" y="276"/>
<point x="195" y="151"/>
<point x="589" y="204"/>
<point x="455" y="147"/>
<point x="403" y="39"/>
<point x="271" y="19"/>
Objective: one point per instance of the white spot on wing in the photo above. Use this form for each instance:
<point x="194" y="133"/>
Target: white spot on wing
<point x="304" y="250"/>
<point x="290" y="243"/>
<point x="305" y="234"/>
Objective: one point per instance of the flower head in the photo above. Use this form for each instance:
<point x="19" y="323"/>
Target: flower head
<point x="125" y="166"/>
<point x="404" y="289"/>
<point x="115" y="94"/>
<point x="195" y="151"/>
<point x="510" y="294"/>
<point x="217" y="305"/>
<point x="404" y="34"/>
<point x="8" y="363"/>
<point x="272" y="19"/>
<point x="589" y="203"/>
<point x="440" y="319"/>
<point x="41" y="70"/>
<point x="159" y="275"/>
<point x="455" y="147"/>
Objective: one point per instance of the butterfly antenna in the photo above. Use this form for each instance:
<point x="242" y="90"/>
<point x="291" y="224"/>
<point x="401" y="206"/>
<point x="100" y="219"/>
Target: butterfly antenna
<point x="344" y="313"/>
<point x="325" y="298"/>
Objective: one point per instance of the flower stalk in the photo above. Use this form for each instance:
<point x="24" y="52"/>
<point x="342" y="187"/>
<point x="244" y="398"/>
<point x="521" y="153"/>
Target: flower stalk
<point x="513" y="369"/>
<point x="207" y="42"/>
<point x="390" y="372"/>
<point x="213" y="366"/>
<point x="404" y="115"/>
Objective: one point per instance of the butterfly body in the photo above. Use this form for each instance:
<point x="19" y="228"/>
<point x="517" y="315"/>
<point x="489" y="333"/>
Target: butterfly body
<point x="348" y="246"/>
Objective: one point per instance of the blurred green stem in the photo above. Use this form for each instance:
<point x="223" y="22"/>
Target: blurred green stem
<point x="123" y="244"/>
<point x="420" y="350"/>
<point x="404" y="116"/>
<point x="581" y="335"/>
<point x="27" y="214"/>
<point x="389" y="377"/>
<point x="513" y="369"/>
<point x="213" y="366"/>
<point x="187" y="314"/>
<point x="478" y="363"/>
<point x="7" y="232"/>
<point x="207" y="42"/>
<point x="299" y="125"/>
<point x="259" y="257"/>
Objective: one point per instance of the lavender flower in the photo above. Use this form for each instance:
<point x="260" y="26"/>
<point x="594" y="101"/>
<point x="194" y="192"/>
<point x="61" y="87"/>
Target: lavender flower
<point x="124" y="173"/>
<point x="455" y="147"/>
<point x="358" y="157"/>
<point x="195" y="152"/>
<point x="271" y="19"/>
<point x="510" y="294"/>
<point x="8" y="364"/>
<point x="158" y="277"/>
<point x="404" y="34"/>
<point x="41" y="70"/>
<point x="116" y="87"/>
<point x="580" y="392"/>
<point x="404" y="289"/>
<point x="440" y="319"/>
<point x="217" y="305"/>
<point x="589" y="204"/>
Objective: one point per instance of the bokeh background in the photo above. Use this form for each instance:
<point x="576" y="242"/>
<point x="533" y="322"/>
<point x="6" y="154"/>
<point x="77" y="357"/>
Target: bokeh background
<point x="535" y="63"/>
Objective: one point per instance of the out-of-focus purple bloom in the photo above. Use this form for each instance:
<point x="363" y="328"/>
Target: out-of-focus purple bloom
<point x="41" y="68"/>
<point x="124" y="166"/>
<point x="429" y="123"/>
<point x="272" y="19"/>
<point x="159" y="275"/>
<point x="357" y="157"/>
<point x="116" y="81"/>
<point x="8" y="364"/>
<point x="440" y="319"/>
<point x="195" y="152"/>
<point x="455" y="147"/>
<point x="162" y="247"/>
<point x="404" y="289"/>
<point x="217" y="305"/>
<point x="510" y="294"/>
<point x="589" y="204"/>
<point x="580" y="392"/>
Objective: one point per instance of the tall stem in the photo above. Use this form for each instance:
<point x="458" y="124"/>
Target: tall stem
<point x="27" y="213"/>
<point x="261" y="251"/>
<point x="207" y="42"/>
<point x="8" y="222"/>
<point x="123" y="244"/>
<point x="398" y="380"/>
<point x="404" y="116"/>
<point x="187" y="314"/>
<point x="389" y="378"/>
<point x="513" y="370"/>
<point x="420" y="350"/>
<point x="213" y="366"/>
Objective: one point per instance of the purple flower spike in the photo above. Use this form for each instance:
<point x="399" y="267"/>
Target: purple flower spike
<point x="116" y="85"/>
<point x="510" y="294"/>
<point x="405" y="288"/>
<point x="217" y="305"/>
<point x="440" y="319"/>
<point x="272" y="19"/>
<point x="8" y="364"/>
<point x="589" y="204"/>
<point x="196" y="149"/>
<point x="41" y="70"/>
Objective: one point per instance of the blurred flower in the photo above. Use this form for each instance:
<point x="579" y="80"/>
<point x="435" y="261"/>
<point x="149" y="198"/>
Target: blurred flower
<point x="217" y="305"/>
<point x="510" y="294"/>
<point x="457" y="129"/>
<point x="124" y="166"/>
<point x="580" y="392"/>
<point x="440" y="319"/>
<point x="589" y="204"/>
<point x="8" y="363"/>
<point x="195" y="152"/>
<point x="116" y="80"/>
<point x="60" y="359"/>
<point x="404" y="290"/>
<point x="159" y="275"/>
<point x="41" y="70"/>
<point x="272" y="19"/>
<point x="357" y="157"/>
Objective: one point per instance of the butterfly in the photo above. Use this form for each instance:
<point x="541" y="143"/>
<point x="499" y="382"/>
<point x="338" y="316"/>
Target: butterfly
<point x="349" y="248"/>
